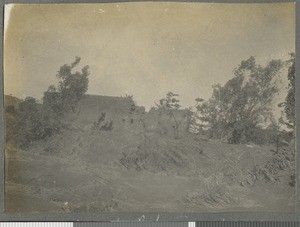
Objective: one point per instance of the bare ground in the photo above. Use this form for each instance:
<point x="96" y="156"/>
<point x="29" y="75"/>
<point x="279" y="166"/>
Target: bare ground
<point x="76" y="172"/>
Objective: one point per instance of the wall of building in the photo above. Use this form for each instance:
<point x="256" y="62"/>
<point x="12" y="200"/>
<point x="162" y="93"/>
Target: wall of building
<point x="165" y="122"/>
<point x="126" y="116"/>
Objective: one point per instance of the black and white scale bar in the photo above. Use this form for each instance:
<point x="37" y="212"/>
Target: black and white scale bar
<point x="247" y="224"/>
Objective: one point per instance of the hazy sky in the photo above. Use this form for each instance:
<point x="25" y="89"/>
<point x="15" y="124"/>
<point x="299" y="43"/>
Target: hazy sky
<point x="142" y="49"/>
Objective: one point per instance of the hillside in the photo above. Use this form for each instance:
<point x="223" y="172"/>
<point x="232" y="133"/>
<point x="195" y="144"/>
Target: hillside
<point x="83" y="171"/>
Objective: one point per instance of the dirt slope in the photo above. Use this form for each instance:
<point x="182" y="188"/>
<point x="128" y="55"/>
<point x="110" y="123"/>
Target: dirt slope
<point x="114" y="171"/>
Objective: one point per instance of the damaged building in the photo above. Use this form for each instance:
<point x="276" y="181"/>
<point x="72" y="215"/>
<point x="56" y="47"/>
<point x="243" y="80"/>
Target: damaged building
<point x="122" y="113"/>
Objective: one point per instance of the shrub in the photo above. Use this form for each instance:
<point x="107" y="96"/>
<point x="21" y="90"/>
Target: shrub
<point x="35" y="122"/>
<point x="11" y="124"/>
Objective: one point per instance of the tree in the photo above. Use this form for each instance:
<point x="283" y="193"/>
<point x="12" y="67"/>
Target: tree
<point x="242" y="104"/>
<point x="289" y="103"/>
<point x="70" y="89"/>
<point x="169" y="105"/>
<point x="11" y="124"/>
<point x="34" y="122"/>
<point x="38" y="121"/>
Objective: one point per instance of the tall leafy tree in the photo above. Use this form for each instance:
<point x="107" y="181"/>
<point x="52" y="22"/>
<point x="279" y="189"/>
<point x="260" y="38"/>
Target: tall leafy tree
<point x="70" y="89"/>
<point x="243" y="103"/>
<point x="170" y="104"/>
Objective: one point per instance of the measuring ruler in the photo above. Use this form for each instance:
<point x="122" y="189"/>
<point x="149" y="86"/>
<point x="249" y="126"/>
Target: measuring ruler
<point x="152" y="224"/>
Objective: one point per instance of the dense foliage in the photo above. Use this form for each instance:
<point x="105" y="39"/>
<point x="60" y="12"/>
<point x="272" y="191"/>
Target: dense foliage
<point x="237" y="109"/>
<point x="30" y="120"/>
<point x="289" y="103"/>
<point x="70" y="89"/>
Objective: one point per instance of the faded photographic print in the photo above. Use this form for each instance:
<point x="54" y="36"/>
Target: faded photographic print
<point x="149" y="107"/>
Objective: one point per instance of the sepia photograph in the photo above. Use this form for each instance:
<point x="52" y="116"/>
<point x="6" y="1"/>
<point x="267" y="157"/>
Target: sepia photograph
<point x="149" y="107"/>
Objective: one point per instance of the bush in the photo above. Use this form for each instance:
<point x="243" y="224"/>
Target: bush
<point x="11" y="124"/>
<point x="35" y="122"/>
